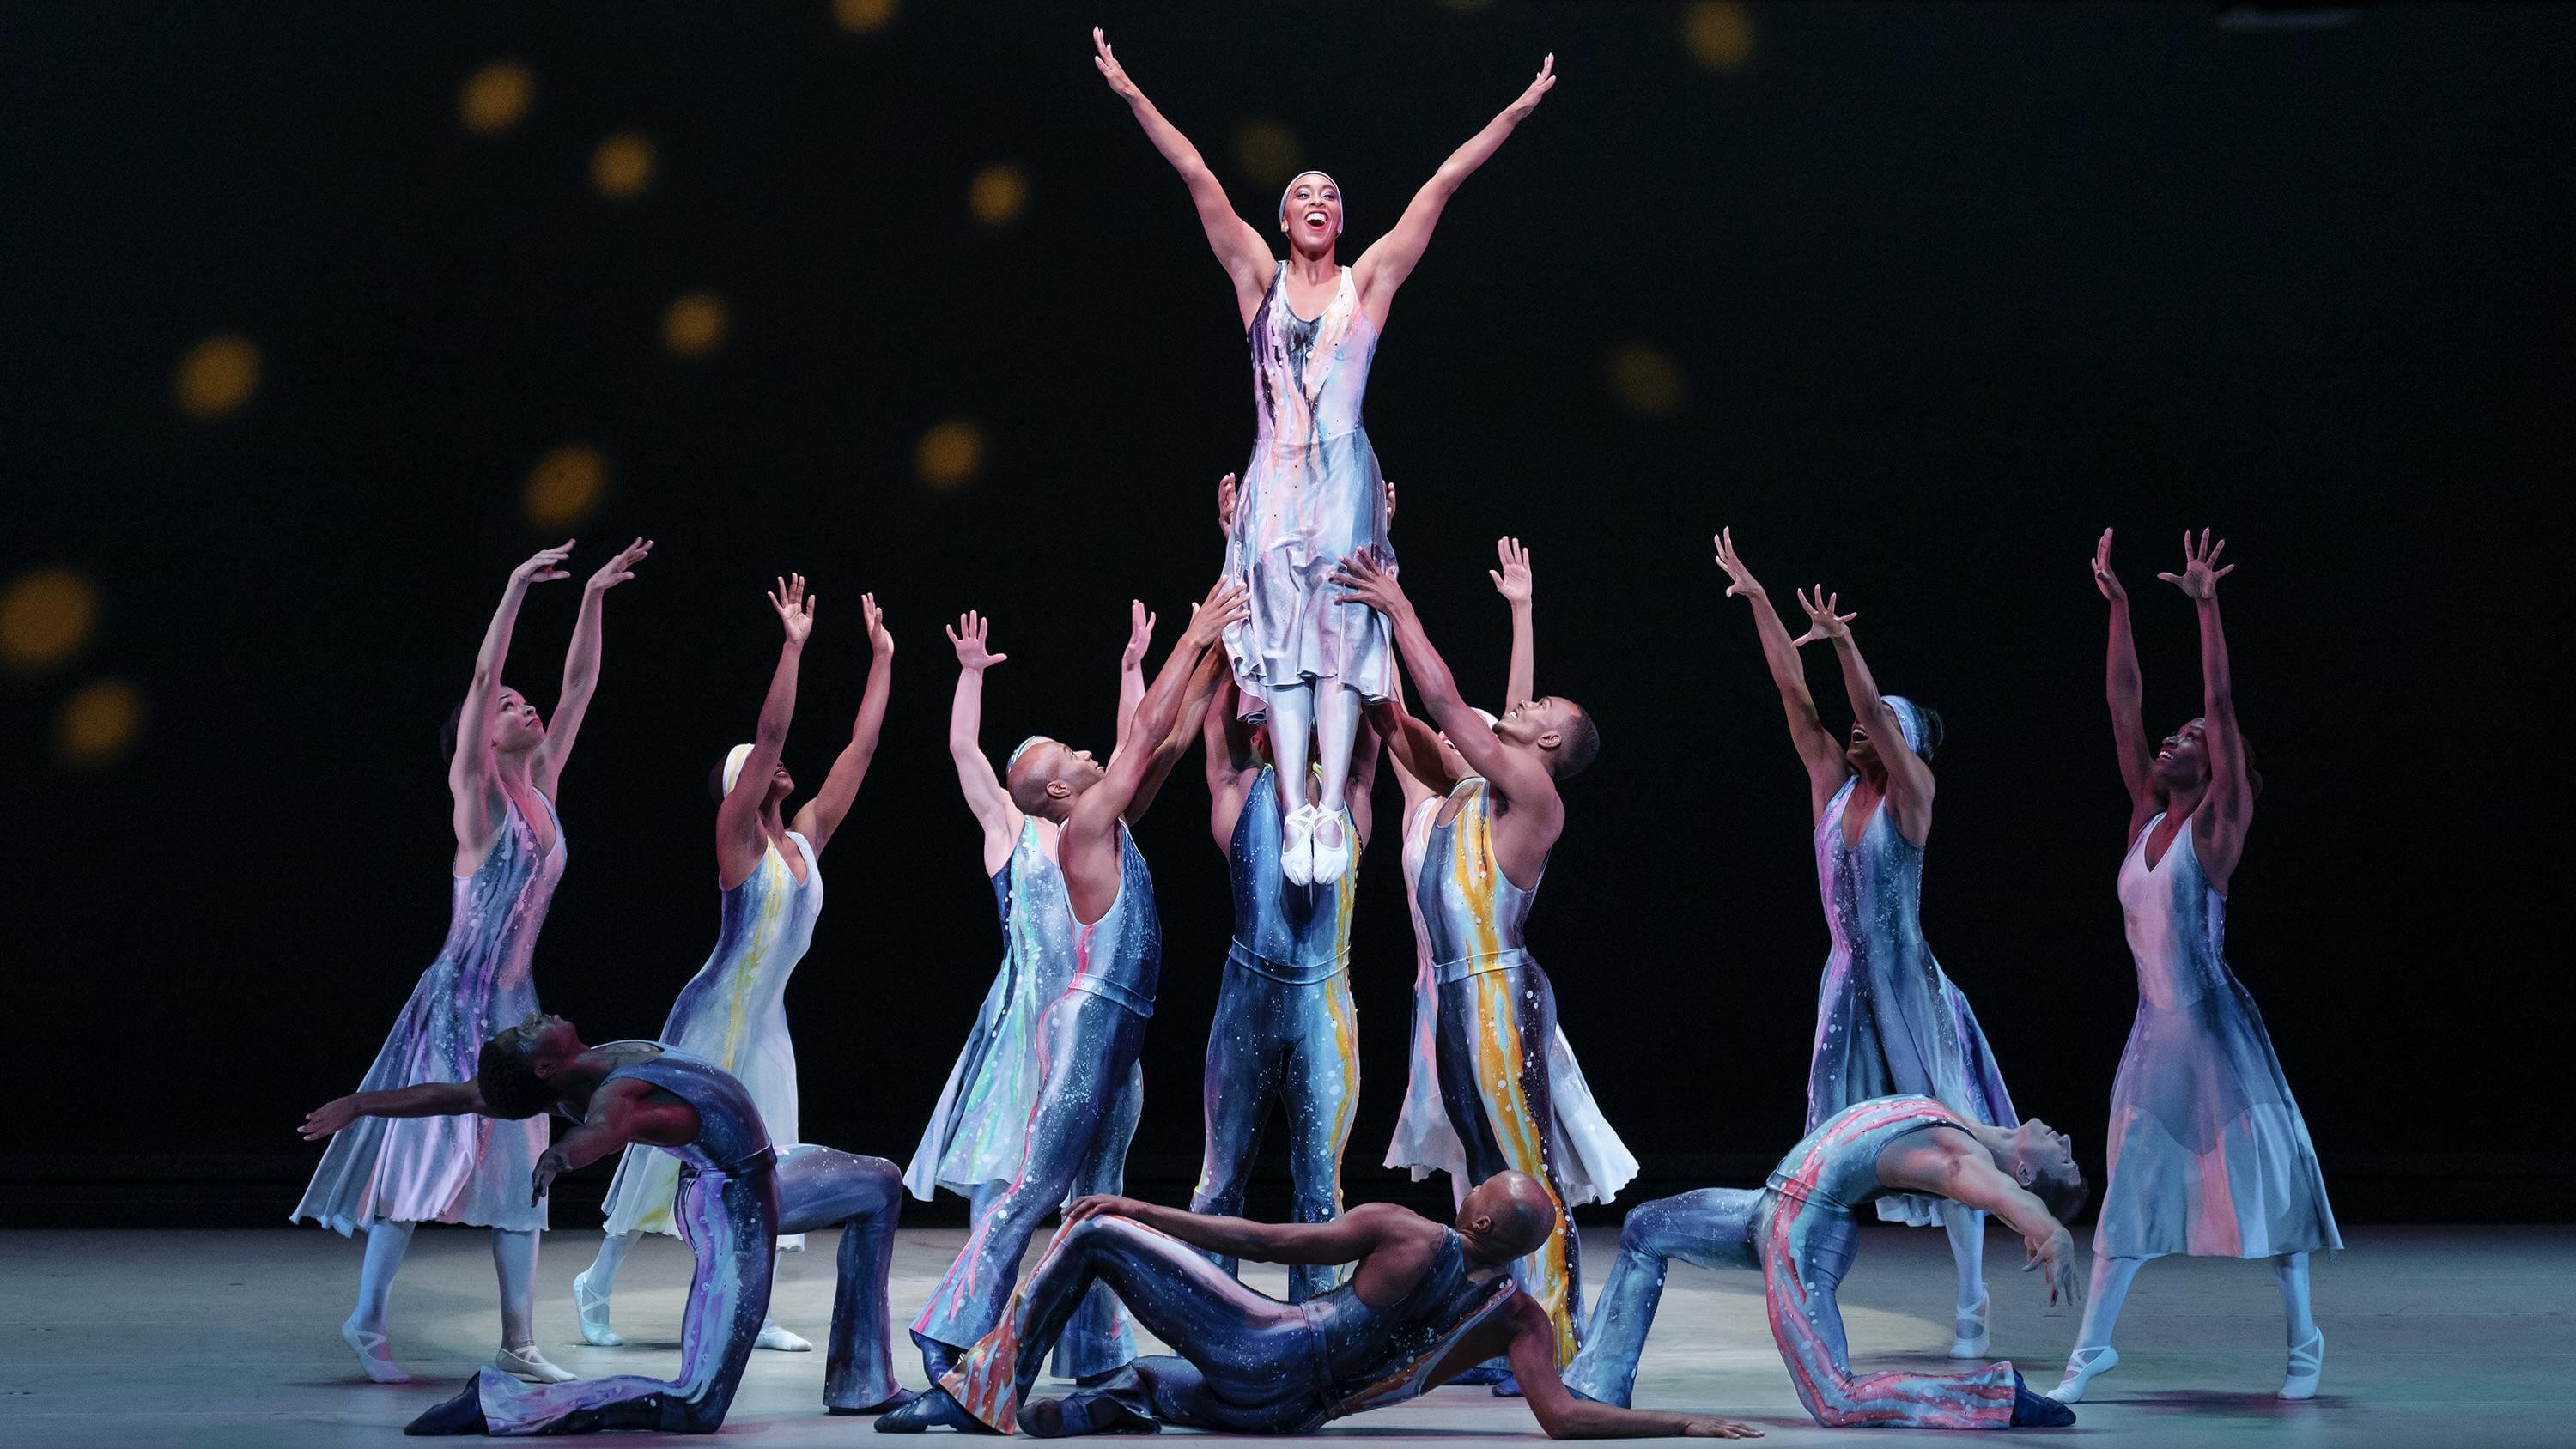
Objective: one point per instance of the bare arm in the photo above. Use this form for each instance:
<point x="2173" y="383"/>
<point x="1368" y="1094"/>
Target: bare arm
<point x="1225" y="747"/>
<point x="739" y="844"/>
<point x="1532" y="1352"/>
<point x="621" y="1113"/>
<point x="1359" y="792"/>
<point x="1239" y="249"/>
<point x="1817" y="748"/>
<point x="985" y="798"/>
<point x="581" y="670"/>
<point x="1345" y="1239"/>
<point x="2218" y="826"/>
<point x="1949" y="1163"/>
<point x="473" y="779"/>
<point x="1391" y="258"/>
<point x="428" y="1099"/>
<point x="1211" y="674"/>
<point x="821" y="817"/>
<point x="1083" y="843"/>
<point x="1131" y="665"/>
<point x="1909" y="780"/>
<point x="1512" y="581"/>
<point x="2125" y="688"/>
<point x="1414" y="746"/>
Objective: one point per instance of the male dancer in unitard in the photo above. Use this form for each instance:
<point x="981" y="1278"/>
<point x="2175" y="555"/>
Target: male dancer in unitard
<point x="1480" y="870"/>
<point x="1090" y="1034"/>
<point x="736" y="1196"/>
<point x="1800" y="1232"/>
<point x="1423" y="1302"/>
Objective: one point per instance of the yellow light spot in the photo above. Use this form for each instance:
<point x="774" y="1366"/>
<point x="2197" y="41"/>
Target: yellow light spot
<point x="1646" y="380"/>
<point x="45" y="618"/>
<point x="622" y="167"/>
<point x="216" y="376"/>
<point x="1268" y="152"/>
<point x="998" y="193"/>
<point x="863" y="17"/>
<point x="564" y="487"/>
<point x="495" y="98"/>
<point x="950" y="454"/>
<point x="1718" y="33"/>
<point x="98" y="722"/>
<point x="694" y="325"/>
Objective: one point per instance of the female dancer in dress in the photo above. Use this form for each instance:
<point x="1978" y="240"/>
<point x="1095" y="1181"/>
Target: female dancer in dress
<point x="384" y="1176"/>
<point x="1311" y="494"/>
<point x="2209" y="1155"/>
<point x="1888" y="1020"/>
<point x="770" y="881"/>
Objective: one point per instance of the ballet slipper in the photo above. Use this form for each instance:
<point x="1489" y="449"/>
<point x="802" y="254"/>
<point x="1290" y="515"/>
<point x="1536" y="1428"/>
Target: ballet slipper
<point x="525" y="1362"/>
<point x="1297" y="845"/>
<point x="590" y="1310"/>
<point x="1969" y="1328"/>
<point x="2082" y="1367"/>
<point x="1330" y="861"/>
<point x="2307" y="1365"/>
<point x="779" y="1340"/>
<point x="373" y="1354"/>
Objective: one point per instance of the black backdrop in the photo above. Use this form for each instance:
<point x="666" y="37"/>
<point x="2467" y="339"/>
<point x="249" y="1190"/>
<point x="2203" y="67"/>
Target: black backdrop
<point x="1946" y="290"/>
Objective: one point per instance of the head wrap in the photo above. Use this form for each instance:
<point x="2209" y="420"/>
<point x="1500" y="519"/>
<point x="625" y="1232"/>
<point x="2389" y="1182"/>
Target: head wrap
<point x="1909" y="719"/>
<point x="1013" y="762"/>
<point x="733" y="765"/>
<point x="1292" y="186"/>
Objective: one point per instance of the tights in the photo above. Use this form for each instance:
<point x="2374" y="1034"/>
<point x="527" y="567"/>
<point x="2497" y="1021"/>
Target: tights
<point x="514" y="1261"/>
<point x="1967" y="1229"/>
<point x="1332" y="711"/>
<point x="601" y="1280"/>
<point x="2111" y="1278"/>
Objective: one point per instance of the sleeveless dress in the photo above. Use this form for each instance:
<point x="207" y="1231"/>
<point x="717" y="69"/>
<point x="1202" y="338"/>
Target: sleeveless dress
<point x="462" y="1169"/>
<point x="2208" y="1153"/>
<point x="1311" y="494"/>
<point x="1887" y="1020"/>
<point x="976" y="1133"/>
<point x="1592" y="1163"/>
<point x="733" y="1014"/>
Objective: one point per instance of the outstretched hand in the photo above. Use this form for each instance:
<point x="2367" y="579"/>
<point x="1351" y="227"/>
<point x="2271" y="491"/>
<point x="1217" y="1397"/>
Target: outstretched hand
<point x="544" y="566"/>
<point x="795" y="608"/>
<point x="1140" y="634"/>
<point x="1227" y="494"/>
<point x="621" y="568"/>
<point x="1225" y="606"/>
<point x="1740" y="582"/>
<point x="1111" y="71"/>
<point x="543" y="1175"/>
<point x="328" y="1118"/>
<point x="1539" y="85"/>
<point x="1822" y="621"/>
<point x="2103" y="579"/>
<point x="2056" y="1254"/>
<point x="968" y="636"/>
<point x="1370" y="583"/>
<point x="1098" y="1205"/>
<point x="880" y="638"/>
<point x="2200" y="571"/>
<point x="1512" y="580"/>
<point x="1706" y="1427"/>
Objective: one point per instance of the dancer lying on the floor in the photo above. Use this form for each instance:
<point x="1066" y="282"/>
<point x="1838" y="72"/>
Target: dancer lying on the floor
<point x="1423" y="1302"/>
<point x="1800" y="1233"/>
<point x="736" y="1196"/>
<point x="2208" y="1153"/>
<point x="733" y="1012"/>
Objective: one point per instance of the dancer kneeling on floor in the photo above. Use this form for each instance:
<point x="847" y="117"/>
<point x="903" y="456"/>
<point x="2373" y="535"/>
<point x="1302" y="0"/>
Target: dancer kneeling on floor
<point x="736" y="1196"/>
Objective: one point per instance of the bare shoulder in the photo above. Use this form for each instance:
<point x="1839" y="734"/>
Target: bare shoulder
<point x="1926" y="1158"/>
<point x="1392" y="1225"/>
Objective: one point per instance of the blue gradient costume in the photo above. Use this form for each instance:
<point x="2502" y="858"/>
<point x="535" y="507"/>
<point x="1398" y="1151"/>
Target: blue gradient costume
<point x="1800" y="1232"/>
<point x="1285" y="1032"/>
<point x="1090" y="1091"/>
<point x="736" y="1195"/>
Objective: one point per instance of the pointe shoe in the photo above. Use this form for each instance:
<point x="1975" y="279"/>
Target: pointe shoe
<point x="525" y="1362"/>
<point x="779" y="1340"/>
<point x="2082" y="1367"/>
<point x="1970" y="1329"/>
<point x="373" y="1355"/>
<point x="1331" y="860"/>
<point x="2307" y="1365"/>
<point x="591" y="1311"/>
<point x="1297" y="845"/>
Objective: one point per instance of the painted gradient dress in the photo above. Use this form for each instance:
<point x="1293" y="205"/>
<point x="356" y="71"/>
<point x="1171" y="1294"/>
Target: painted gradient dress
<point x="1311" y="494"/>
<point x="2209" y="1155"/>
<point x="733" y="1013"/>
<point x="462" y="1169"/>
<point x="1888" y="1021"/>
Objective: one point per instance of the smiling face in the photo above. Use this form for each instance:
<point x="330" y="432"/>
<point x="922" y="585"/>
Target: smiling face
<point x="516" y="725"/>
<point x="1311" y="214"/>
<point x="1861" y="751"/>
<point x="2182" y="764"/>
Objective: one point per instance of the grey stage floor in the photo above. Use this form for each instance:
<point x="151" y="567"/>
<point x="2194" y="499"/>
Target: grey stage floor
<point x="2452" y="1337"/>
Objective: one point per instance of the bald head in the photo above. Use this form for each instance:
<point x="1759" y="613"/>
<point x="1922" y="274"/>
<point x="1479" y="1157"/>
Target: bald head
<point x="1508" y="1215"/>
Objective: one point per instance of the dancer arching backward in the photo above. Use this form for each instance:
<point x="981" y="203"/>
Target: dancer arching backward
<point x="972" y="1143"/>
<point x="737" y="1194"/>
<point x="1311" y="493"/>
<point x="1801" y="1231"/>
<point x="2208" y="1153"/>
<point x="1089" y="1086"/>
<point x="385" y="1178"/>
<point x="769" y="877"/>
<point x="1423" y="1302"/>
<point x="1488" y="847"/>
<point x="1887" y="1019"/>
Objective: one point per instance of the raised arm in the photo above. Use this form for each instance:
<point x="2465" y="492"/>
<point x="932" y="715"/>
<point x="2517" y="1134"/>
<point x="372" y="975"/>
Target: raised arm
<point x="1345" y="1239"/>
<point x="581" y="670"/>
<point x="1512" y="581"/>
<point x="473" y="778"/>
<point x="1210" y="675"/>
<point x="985" y="797"/>
<point x="1818" y="750"/>
<point x="2126" y="689"/>
<point x="821" y="816"/>
<point x="1231" y="763"/>
<point x="1391" y="258"/>
<point x="2218" y="826"/>
<point x="739" y="842"/>
<point x="1094" y="818"/>
<point x="428" y="1099"/>
<point x="1131" y="664"/>
<point x="1239" y="249"/>
<point x="1414" y="746"/>
<point x="1909" y="780"/>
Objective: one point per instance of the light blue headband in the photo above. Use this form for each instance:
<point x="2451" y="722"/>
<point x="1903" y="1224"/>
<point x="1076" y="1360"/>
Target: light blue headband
<point x="1909" y="719"/>
<point x="1013" y="762"/>
<point x="1292" y="186"/>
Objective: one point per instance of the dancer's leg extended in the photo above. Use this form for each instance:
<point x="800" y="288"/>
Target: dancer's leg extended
<point x="1337" y="725"/>
<point x="2307" y="1344"/>
<point x="1291" y="710"/>
<point x="2093" y="1354"/>
<point x="862" y="1196"/>
<point x="514" y="1262"/>
<point x="1711" y="1228"/>
<point x="1491" y="1050"/>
